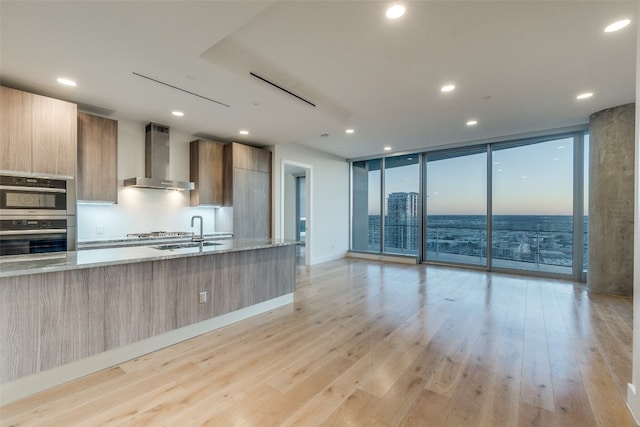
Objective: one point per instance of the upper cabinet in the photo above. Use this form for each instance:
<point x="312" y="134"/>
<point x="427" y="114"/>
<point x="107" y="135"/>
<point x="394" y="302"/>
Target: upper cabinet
<point x="97" y="158"/>
<point x="247" y="157"/>
<point x="37" y="134"/>
<point x="15" y="129"/>
<point x="207" y="172"/>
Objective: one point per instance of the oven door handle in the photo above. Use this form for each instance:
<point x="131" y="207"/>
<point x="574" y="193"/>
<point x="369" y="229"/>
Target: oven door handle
<point x="31" y="232"/>
<point x="34" y="189"/>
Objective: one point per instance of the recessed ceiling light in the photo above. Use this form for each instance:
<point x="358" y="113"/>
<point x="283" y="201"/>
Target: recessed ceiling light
<point x="585" y="95"/>
<point x="618" y="25"/>
<point x="447" y="88"/>
<point x="387" y="148"/>
<point x="395" y="11"/>
<point x="66" y="82"/>
<point x="177" y="113"/>
<point x="349" y="131"/>
<point x="472" y="122"/>
<point x="244" y="132"/>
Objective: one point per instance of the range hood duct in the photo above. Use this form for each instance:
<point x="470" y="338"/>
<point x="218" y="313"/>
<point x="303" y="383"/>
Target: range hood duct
<point x="156" y="162"/>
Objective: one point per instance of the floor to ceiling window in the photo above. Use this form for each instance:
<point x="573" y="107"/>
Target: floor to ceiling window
<point x="456" y="207"/>
<point x="533" y="206"/>
<point x="401" y="204"/>
<point x="505" y="205"/>
<point x="366" y="219"/>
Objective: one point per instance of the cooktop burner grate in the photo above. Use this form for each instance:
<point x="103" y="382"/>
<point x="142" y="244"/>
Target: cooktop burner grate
<point x="160" y="234"/>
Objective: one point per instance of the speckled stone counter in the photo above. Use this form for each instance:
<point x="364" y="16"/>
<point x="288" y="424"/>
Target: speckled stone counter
<point x="72" y="260"/>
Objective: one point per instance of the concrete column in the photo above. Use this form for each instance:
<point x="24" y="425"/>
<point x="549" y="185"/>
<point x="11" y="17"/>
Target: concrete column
<point x="611" y="200"/>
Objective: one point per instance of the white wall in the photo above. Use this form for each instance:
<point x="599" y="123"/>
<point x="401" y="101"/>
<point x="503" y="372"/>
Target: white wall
<point x="142" y="209"/>
<point x="329" y="217"/>
<point x="633" y="392"/>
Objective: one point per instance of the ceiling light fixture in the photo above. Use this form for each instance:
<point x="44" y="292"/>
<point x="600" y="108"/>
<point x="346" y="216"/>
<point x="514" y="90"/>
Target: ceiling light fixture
<point x="66" y="82"/>
<point x="395" y="11"/>
<point x="618" y="25"/>
<point x="472" y="122"/>
<point x="447" y="88"/>
<point x="177" y="113"/>
<point x="244" y="132"/>
<point x="585" y="95"/>
<point x="349" y="131"/>
<point x="387" y="148"/>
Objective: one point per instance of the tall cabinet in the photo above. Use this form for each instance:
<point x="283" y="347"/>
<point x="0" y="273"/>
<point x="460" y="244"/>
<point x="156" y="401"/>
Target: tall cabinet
<point x="207" y="172"/>
<point x="247" y="184"/>
<point x="37" y="134"/>
<point x="97" y="158"/>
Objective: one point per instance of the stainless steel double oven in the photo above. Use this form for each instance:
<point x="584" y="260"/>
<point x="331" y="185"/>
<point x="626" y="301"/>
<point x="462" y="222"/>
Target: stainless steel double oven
<point x="37" y="215"/>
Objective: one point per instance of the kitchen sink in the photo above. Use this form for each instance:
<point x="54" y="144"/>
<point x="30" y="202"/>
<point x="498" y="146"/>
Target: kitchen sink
<point x="173" y="246"/>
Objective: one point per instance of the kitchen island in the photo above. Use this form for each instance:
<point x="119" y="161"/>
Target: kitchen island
<point x="64" y="316"/>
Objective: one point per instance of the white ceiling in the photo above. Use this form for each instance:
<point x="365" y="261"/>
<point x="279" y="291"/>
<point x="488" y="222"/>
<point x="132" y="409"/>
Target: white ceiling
<point x="517" y="65"/>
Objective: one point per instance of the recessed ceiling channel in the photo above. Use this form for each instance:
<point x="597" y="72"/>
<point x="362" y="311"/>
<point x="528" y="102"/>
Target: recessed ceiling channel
<point x="180" y="89"/>
<point x="281" y="88"/>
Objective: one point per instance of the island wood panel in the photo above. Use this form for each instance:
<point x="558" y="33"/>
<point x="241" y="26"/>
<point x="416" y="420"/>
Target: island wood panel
<point x="19" y="317"/>
<point x="50" y="319"/>
<point x="206" y="169"/>
<point x="192" y="278"/>
<point x="15" y="129"/>
<point x="128" y="290"/>
<point x="54" y="136"/>
<point x="83" y="312"/>
<point x="166" y="278"/>
<point x="226" y="277"/>
<point x="97" y="158"/>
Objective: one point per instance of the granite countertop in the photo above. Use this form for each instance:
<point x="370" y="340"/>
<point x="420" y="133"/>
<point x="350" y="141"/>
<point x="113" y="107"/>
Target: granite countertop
<point x="135" y="241"/>
<point x="18" y="265"/>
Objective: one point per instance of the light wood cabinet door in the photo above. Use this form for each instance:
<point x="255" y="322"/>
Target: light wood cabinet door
<point x="206" y="170"/>
<point x="54" y="126"/>
<point x="251" y="204"/>
<point x="251" y="158"/>
<point x="15" y="129"/>
<point x="97" y="158"/>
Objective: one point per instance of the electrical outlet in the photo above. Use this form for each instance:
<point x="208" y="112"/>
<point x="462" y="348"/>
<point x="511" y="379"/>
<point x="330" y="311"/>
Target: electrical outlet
<point x="99" y="229"/>
<point x="202" y="297"/>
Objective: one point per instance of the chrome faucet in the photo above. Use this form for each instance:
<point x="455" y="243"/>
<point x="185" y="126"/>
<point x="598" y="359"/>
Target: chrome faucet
<point x="197" y="238"/>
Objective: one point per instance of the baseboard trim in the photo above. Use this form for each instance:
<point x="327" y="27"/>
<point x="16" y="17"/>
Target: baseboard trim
<point x="26" y="386"/>
<point x="633" y="403"/>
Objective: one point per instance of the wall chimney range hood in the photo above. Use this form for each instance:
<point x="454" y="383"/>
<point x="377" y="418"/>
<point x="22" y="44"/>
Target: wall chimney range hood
<point x="156" y="162"/>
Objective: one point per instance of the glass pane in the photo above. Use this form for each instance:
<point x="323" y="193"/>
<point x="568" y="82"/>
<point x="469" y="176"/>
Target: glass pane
<point x="402" y="204"/>
<point x="456" y="214"/>
<point x="533" y="206"/>
<point x="365" y="224"/>
<point x="585" y="228"/>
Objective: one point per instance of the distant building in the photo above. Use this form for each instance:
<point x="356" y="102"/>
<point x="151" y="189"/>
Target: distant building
<point x="401" y="222"/>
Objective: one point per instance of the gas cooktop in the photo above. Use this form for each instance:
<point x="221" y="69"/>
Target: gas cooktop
<point x="160" y="234"/>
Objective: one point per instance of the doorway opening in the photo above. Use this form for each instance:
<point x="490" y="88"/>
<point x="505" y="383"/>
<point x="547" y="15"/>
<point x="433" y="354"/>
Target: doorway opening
<point x="296" y="208"/>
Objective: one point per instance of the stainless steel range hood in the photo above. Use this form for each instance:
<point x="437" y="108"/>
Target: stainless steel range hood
<point x="156" y="163"/>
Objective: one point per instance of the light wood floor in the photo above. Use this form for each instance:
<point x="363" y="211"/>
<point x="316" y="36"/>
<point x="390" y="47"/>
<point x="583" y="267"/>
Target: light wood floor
<point x="376" y="344"/>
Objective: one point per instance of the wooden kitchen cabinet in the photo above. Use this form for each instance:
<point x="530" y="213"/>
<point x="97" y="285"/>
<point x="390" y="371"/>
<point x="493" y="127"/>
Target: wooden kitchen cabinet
<point x="247" y="184"/>
<point x="15" y="129"/>
<point x="97" y="158"/>
<point x="39" y="134"/>
<point x="206" y="170"/>
<point x="250" y="158"/>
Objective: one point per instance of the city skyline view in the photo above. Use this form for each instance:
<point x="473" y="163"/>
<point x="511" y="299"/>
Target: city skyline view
<point x="527" y="180"/>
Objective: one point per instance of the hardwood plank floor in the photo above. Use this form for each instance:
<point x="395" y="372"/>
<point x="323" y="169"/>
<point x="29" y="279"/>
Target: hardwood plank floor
<point x="377" y="344"/>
